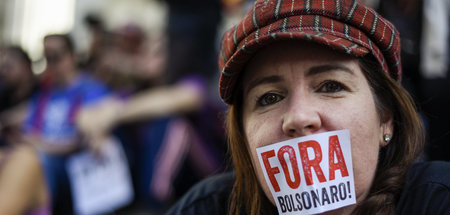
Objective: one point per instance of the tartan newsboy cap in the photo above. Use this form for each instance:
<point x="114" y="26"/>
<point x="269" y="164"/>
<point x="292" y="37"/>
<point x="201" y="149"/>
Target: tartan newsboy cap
<point x="344" y="25"/>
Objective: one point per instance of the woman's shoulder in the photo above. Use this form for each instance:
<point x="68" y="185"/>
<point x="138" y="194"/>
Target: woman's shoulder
<point x="210" y="196"/>
<point x="426" y="189"/>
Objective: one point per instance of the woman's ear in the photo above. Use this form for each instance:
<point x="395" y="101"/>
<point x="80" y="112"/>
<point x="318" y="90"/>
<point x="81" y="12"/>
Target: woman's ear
<point x="387" y="128"/>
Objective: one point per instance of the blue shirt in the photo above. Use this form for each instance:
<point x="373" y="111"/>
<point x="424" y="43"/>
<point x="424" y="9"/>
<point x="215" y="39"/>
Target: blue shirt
<point x="52" y="111"/>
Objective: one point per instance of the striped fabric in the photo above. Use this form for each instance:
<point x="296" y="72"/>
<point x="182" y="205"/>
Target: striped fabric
<point x="343" y="25"/>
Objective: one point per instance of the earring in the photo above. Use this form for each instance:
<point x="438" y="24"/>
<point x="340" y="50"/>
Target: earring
<point x="387" y="138"/>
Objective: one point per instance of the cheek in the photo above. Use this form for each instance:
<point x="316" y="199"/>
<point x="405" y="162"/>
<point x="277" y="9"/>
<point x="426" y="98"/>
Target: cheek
<point x="262" y="128"/>
<point x="365" y="131"/>
<point x="365" y="159"/>
<point x="260" y="132"/>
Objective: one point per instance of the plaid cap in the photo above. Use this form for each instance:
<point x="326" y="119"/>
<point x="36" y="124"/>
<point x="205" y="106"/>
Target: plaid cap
<point x="344" y="25"/>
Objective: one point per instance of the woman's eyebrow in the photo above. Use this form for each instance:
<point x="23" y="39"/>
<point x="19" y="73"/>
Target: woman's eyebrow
<point x="312" y="71"/>
<point x="328" y="67"/>
<point x="264" y="80"/>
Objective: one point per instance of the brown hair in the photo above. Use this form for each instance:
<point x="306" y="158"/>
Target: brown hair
<point x="394" y="159"/>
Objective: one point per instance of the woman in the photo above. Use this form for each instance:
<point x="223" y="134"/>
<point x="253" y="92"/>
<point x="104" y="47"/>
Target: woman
<point x="298" y="68"/>
<point x="23" y="189"/>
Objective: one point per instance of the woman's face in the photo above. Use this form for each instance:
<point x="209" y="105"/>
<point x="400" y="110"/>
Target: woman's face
<point x="13" y="70"/>
<point x="294" y="89"/>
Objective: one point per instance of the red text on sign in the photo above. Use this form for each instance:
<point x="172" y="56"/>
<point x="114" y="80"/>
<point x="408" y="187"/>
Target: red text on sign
<point x="336" y="162"/>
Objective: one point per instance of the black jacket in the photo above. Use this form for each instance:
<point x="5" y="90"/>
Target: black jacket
<point x="426" y="191"/>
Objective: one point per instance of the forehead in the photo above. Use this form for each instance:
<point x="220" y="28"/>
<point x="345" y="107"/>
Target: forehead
<point x="292" y="53"/>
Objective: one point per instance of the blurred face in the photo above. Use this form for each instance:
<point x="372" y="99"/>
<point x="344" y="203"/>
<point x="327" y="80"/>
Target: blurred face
<point x="13" y="70"/>
<point x="58" y="58"/>
<point x="294" y="89"/>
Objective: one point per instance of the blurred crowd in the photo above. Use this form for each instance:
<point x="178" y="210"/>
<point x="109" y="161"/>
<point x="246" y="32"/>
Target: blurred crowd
<point x="154" y="101"/>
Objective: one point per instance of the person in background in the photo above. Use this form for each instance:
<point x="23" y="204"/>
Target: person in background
<point x="15" y="71"/>
<point x="435" y="76"/>
<point x="50" y="120"/>
<point x="300" y="68"/>
<point x="132" y="62"/>
<point x="424" y="26"/>
<point x="22" y="184"/>
<point x="132" y="65"/>
<point x="100" y="39"/>
<point x="194" y="146"/>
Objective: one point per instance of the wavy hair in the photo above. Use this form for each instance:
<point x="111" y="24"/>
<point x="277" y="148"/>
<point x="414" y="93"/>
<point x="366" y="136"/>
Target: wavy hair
<point x="394" y="159"/>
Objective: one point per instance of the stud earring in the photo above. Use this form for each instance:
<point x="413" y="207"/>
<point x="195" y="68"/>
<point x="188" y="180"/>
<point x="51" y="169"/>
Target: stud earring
<point x="387" y="138"/>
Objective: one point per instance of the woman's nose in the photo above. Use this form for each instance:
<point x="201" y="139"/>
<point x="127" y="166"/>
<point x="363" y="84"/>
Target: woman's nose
<point x="302" y="118"/>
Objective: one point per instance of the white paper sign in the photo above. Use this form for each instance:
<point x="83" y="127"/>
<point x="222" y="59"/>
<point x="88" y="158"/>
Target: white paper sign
<point x="310" y="174"/>
<point x="100" y="184"/>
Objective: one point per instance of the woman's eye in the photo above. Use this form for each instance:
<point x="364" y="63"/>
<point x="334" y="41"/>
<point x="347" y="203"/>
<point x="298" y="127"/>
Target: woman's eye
<point x="268" y="99"/>
<point x="331" y="87"/>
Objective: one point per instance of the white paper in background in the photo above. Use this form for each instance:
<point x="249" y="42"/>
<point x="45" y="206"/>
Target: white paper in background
<point x="311" y="174"/>
<point x="100" y="184"/>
